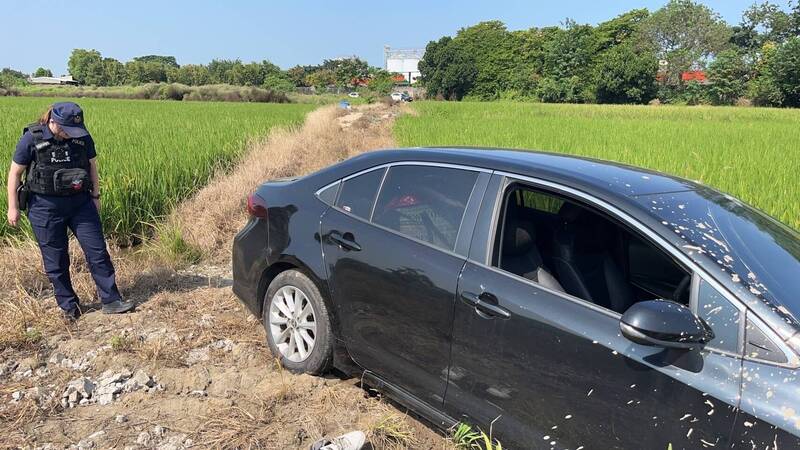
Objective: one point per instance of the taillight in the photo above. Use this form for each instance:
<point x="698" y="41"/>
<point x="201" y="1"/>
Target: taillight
<point x="256" y="206"/>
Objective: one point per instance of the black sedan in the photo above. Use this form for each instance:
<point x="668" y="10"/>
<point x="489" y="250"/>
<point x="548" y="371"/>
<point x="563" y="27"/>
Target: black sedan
<point x="563" y="302"/>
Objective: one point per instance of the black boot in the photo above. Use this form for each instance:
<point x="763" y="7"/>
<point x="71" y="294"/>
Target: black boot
<point x="118" y="307"/>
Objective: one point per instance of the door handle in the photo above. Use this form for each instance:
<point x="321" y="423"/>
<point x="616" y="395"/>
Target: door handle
<point x="485" y="305"/>
<point x="345" y="241"/>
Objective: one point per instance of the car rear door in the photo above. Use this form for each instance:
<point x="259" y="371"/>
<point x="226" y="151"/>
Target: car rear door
<point x="543" y="369"/>
<point x="393" y="264"/>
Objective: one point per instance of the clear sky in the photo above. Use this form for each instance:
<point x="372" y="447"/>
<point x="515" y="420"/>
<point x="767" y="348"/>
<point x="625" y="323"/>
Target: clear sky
<point x="287" y="32"/>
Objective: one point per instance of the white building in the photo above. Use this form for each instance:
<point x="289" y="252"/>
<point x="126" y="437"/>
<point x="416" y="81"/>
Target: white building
<point x="403" y="61"/>
<point x="65" y="79"/>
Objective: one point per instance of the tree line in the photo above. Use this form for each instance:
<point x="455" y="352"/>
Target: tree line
<point x="90" y="67"/>
<point x="681" y="53"/>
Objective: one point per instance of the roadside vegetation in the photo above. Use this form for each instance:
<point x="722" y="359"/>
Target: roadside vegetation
<point x="159" y="91"/>
<point x="748" y="152"/>
<point x="682" y="53"/>
<point x="153" y="154"/>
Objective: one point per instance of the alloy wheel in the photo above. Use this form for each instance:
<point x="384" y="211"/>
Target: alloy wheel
<point x="292" y="323"/>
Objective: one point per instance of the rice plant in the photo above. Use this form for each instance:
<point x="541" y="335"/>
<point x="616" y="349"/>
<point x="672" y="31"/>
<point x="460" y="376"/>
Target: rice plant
<point x="153" y="154"/>
<point x="751" y="153"/>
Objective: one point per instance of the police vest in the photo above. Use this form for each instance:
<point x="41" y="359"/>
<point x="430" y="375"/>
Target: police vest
<point x="58" y="167"/>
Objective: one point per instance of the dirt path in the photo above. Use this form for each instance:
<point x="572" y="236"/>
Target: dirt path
<point x="189" y="368"/>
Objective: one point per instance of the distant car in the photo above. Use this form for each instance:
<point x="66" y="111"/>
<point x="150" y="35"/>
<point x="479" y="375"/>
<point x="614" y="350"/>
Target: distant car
<point x="354" y="95"/>
<point x="560" y="302"/>
<point x="401" y="97"/>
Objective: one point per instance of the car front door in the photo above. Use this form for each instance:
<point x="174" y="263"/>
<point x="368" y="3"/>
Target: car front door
<point x="543" y="369"/>
<point x="393" y="264"/>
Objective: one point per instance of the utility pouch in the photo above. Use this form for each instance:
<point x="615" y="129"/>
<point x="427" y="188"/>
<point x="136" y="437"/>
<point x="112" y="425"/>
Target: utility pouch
<point x="22" y="197"/>
<point x="70" y="181"/>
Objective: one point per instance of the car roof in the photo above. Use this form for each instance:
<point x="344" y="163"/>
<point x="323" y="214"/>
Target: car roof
<point x="588" y="173"/>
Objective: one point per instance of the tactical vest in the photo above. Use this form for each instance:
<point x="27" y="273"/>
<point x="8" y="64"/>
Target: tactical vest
<point x="58" y="167"/>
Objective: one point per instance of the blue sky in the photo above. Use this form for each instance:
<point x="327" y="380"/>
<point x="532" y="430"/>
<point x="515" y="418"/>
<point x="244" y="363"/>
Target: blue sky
<point x="286" y="33"/>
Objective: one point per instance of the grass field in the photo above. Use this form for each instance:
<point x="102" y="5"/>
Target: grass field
<point x="153" y="154"/>
<point x="751" y="153"/>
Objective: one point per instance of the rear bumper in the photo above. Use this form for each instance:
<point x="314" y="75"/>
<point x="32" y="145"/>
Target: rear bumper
<point x="249" y="260"/>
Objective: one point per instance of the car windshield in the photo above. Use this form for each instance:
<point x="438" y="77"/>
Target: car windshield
<point x="755" y="249"/>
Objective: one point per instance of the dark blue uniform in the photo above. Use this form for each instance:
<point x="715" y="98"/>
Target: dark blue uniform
<point x="51" y="216"/>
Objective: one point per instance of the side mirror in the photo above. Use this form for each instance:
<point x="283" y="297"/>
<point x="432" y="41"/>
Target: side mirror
<point x="664" y="323"/>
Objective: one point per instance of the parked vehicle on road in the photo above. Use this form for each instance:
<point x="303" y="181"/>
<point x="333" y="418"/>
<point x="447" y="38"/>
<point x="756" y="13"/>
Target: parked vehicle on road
<point x="565" y="302"/>
<point x="401" y="97"/>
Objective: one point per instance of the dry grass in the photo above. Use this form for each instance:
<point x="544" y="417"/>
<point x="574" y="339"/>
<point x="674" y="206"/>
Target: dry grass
<point x="392" y="431"/>
<point x="319" y="143"/>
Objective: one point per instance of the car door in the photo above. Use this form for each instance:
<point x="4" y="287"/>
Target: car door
<point x="543" y="369"/>
<point x="393" y="265"/>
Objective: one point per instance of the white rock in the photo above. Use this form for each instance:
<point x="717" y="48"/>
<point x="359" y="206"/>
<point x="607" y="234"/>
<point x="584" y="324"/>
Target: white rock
<point x="105" y="398"/>
<point x="143" y="438"/>
<point x="197" y="355"/>
<point x="225" y="345"/>
<point x="120" y="418"/>
<point x="56" y="358"/>
<point x="96" y="435"/>
<point x="82" y="386"/>
<point x="158" y="431"/>
<point x="17" y="395"/>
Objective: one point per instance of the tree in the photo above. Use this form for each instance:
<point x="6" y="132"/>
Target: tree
<point x="381" y="82"/>
<point x="114" y="71"/>
<point x="321" y="79"/>
<point x="626" y="74"/>
<point x="762" y="88"/>
<point x="728" y="74"/>
<point x="140" y="72"/>
<point x="167" y="61"/>
<point x="447" y="70"/>
<point x="568" y="62"/>
<point x="491" y="48"/>
<point x="10" y="77"/>
<point x="42" y="72"/>
<point x="297" y="74"/>
<point x="619" y="29"/>
<point x="685" y="34"/>
<point x="784" y="68"/>
<point x="278" y="81"/>
<point x="86" y="66"/>
<point x="190" y="74"/>
<point x="346" y="70"/>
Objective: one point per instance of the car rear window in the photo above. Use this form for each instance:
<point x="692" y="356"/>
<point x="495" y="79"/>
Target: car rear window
<point x="425" y="203"/>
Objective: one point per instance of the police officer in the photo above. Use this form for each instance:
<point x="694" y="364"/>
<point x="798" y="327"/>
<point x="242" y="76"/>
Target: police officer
<point x="57" y="157"/>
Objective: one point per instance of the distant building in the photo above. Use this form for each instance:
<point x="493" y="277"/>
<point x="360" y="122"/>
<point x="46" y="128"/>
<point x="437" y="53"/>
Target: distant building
<point x="695" y="75"/>
<point x="404" y="62"/>
<point x="65" y="79"/>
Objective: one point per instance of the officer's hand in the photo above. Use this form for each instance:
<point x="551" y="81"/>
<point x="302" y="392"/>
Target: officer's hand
<point x="13" y="216"/>
<point x="96" y="203"/>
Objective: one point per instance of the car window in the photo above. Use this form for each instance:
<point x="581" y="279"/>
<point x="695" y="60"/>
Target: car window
<point x="328" y="195"/>
<point x="571" y="247"/>
<point x="425" y="203"/>
<point x="722" y="316"/>
<point x="759" y="346"/>
<point x="357" y="194"/>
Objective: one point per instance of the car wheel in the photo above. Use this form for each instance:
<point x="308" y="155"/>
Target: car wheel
<point x="297" y="324"/>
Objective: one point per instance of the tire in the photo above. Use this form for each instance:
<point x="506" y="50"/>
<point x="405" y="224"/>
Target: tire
<point x="295" y="312"/>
